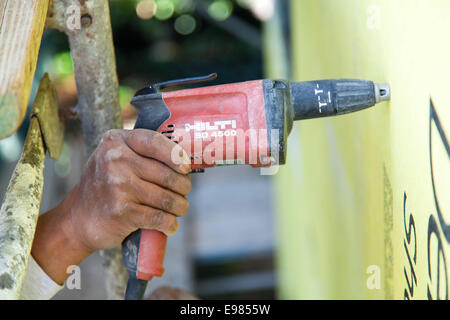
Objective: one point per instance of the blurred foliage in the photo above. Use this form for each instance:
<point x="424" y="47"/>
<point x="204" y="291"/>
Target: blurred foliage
<point x="220" y="9"/>
<point x="125" y="93"/>
<point x="152" y="50"/>
<point x="158" y="40"/>
<point x="62" y="64"/>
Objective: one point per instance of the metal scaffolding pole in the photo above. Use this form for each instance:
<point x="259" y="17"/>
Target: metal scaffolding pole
<point x="88" y="26"/>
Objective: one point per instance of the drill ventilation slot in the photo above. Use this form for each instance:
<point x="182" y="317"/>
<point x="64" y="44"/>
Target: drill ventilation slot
<point x="170" y="130"/>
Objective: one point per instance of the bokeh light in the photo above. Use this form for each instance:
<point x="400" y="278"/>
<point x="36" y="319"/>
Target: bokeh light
<point x="183" y="6"/>
<point x="165" y="9"/>
<point x="146" y="9"/>
<point x="220" y="9"/>
<point x="63" y="64"/>
<point x="185" y="24"/>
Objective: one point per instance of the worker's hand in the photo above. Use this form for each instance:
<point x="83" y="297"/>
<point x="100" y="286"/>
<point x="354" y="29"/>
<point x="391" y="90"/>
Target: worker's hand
<point x="130" y="182"/>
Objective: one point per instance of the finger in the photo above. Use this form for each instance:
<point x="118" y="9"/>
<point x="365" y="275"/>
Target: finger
<point x="144" y="217"/>
<point x="154" y="196"/>
<point x="156" y="172"/>
<point x="154" y="145"/>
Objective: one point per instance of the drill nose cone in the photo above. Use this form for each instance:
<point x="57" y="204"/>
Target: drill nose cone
<point x="382" y="92"/>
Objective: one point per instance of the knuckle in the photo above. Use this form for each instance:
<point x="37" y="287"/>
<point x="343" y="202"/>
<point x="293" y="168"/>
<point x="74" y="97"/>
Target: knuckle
<point x="157" y="218"/>
<point x="180" y="183"/>
<point x="169" y="178"/>
<point x="120" y="206"/>
<point x="111" y="135"/>
<point x="145" y="137"/>
<point x="109" y="166"/>
<point x="124" y="207"/>
<point x="137" y="217"/>
<point x="167" y="202"/>
<point x="114" y="154"/>
<point x="142" y="139"/>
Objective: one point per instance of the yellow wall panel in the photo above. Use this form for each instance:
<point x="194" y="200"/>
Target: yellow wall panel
<point x="358" y="190"/>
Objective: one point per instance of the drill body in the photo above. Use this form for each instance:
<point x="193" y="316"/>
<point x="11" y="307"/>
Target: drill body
<point x="239" y="123"/>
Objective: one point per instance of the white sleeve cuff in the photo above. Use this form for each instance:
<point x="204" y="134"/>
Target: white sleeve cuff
<point x="38" y="285"/>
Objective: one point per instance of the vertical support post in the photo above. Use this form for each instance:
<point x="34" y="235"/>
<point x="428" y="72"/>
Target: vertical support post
<point x="88" y="27"/>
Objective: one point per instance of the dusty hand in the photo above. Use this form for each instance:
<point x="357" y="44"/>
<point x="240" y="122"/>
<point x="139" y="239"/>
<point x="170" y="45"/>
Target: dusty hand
<point x="129" y="183"/>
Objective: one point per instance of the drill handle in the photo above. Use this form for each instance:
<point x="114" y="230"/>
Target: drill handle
<point x="143" y="250"/>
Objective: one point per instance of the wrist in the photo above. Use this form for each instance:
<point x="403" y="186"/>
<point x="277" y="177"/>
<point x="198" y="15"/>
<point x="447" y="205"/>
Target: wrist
<point x="56" y="245"/>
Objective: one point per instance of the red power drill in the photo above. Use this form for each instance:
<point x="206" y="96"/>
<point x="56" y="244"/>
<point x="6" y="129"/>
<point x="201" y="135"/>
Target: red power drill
<point x="239" y="123"/>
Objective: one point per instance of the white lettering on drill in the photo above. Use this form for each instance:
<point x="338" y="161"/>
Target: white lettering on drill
<point x="317" y="92"/>
<point x="207" y="126"/>
<point x="238" y="147"/>
<point x="321" y="104"/>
